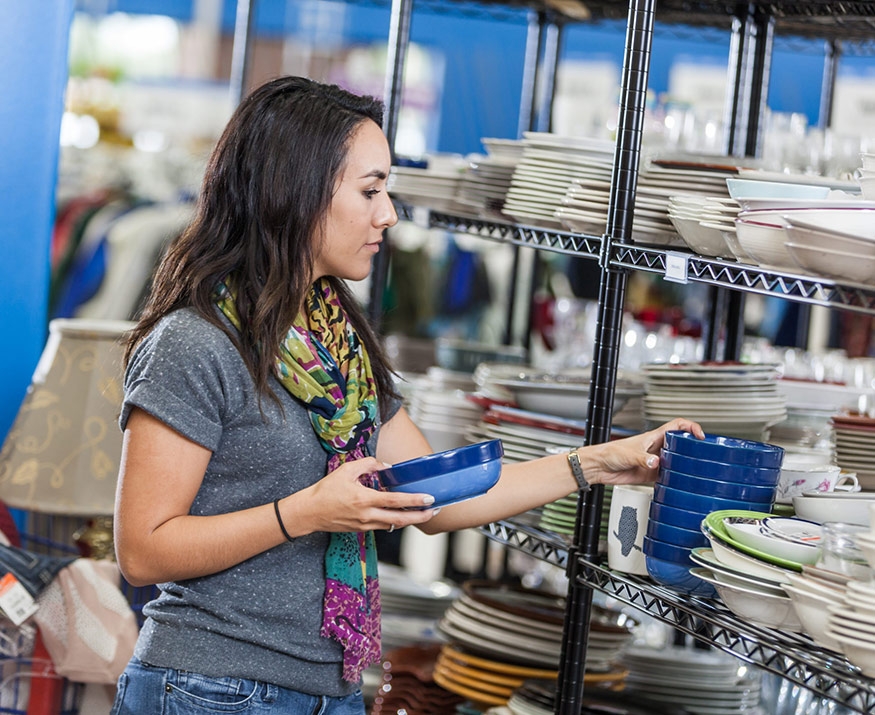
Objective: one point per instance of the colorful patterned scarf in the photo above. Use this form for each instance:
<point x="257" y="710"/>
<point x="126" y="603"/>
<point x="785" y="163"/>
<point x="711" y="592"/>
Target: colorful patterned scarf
<point x="324" y="364"/>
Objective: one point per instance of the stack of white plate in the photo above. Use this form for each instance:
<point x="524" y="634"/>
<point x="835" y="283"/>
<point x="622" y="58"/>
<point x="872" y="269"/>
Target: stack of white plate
<point x="548" y="167"/>
<point x="525" y="627"/>
<point x="852" y="624"/>
<point x="410" y="609"/>
<point x="732" y="399"/>
<point x="562" y="393"/>
<point x="586" y="201"/>
<point x="700" y="681"/>
<point x="487" y="179"/>
<point x="705" y="223"/>
<point x="444" y="417"/>
<point x="435" y="188"/>
<point x="526" y="435"/>
<point x="854" y="446"/>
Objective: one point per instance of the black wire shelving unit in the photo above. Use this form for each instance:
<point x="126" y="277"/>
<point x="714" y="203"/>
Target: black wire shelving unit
<point x="752" y="26"/>
<point x="798" y="287"/>
<point x="791" y="656"/>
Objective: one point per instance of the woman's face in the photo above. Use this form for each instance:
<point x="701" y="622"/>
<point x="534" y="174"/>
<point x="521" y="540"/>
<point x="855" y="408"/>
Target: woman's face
<point x="360" y="208"/>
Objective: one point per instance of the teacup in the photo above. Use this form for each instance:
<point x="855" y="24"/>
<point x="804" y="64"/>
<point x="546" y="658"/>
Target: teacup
<point x="795" y="480"/>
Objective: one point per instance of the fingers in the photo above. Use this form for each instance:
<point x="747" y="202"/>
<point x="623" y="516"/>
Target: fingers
<point x="686" y="425"/>
<point x="391" y="520"/>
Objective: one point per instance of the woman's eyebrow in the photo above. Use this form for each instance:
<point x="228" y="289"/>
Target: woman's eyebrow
<point x="375" y="173"/>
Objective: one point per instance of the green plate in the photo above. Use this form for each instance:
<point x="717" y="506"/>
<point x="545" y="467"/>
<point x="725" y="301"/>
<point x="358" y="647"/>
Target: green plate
<point x="714" y="523"/>
<point x="783" y="510"/>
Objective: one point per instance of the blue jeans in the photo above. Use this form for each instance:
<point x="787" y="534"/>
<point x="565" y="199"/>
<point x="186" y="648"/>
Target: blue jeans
<point x="148" y="690"/>
<point x="34" y="571"/>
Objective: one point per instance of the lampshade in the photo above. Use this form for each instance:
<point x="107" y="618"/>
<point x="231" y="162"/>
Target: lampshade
<point x="62" y="454"/>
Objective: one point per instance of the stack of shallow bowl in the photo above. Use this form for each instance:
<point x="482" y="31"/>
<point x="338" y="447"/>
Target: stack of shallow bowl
<point x="729" y="398"/>
<point x="705" y="223"/>
<point x="697" y="477"/>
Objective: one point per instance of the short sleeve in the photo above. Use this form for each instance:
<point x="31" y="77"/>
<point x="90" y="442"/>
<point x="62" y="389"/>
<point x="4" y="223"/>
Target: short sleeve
<point x="188" y="374"/>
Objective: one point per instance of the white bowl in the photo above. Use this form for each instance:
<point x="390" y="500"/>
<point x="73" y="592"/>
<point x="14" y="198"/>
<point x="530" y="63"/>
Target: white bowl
<point x="754" y="605"/>
<point x="745" y="563"/>
<point x="743" y="188"/>
<point x="850" y="508"/>
<point x="751" y="533"/>
<point x="756" y="203"/>
<point x="700" y="237"/>
<point x="851" y="221"/>
<point x="764" y="242"/>
<point x="834" y="264"/>
<point x="829" y="590"/>
<point x="811" y="608"/>
<point x="800" y="233"/>
<point x="703" y="556"/>
<point x="860" y="652"/>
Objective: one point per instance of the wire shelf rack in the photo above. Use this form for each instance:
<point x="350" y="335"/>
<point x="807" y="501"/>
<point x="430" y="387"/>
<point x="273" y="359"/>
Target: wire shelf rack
<point x="791" y="656"/>
<point x="699" y="269"/>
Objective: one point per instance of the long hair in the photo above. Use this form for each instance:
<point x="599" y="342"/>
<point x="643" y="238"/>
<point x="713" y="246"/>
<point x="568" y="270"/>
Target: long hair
<point x="266" y="191"/>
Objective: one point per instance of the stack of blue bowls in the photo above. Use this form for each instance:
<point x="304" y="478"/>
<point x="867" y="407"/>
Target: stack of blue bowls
<point x="696" y="477"/>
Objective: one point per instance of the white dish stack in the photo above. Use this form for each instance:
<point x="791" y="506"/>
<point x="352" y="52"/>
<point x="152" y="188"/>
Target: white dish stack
<point x="730" y="399"/>
<point x="700" y="681"/>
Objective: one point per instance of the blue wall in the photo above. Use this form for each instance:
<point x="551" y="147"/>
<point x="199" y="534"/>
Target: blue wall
<point x="33" y="55"/>
<point x="484" y="58"/>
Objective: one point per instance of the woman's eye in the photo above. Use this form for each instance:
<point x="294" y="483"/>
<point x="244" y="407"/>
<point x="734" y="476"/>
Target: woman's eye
<point x="371" y="193"/>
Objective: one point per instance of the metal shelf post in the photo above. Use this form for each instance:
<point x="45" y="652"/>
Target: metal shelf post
<point x="612" y="293"/>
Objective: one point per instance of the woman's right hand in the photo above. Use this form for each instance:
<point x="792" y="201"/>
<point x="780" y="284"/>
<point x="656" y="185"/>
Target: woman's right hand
<point x="341" y="502"/>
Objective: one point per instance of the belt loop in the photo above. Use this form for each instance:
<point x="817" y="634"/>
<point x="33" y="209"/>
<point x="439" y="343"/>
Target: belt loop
<point x="269" y="692"/>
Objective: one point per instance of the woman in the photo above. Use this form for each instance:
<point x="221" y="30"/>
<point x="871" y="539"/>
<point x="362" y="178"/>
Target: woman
<point x="255" y="393"/>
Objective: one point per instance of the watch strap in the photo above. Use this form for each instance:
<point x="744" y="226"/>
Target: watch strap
<point x="577" y="470"/>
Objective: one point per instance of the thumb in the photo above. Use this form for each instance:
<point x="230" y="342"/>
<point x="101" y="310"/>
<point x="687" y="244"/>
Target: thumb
<point x="651" y="461"/>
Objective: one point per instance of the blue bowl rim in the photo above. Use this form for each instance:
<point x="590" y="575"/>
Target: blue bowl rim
<point x="449" y="460"/>
<point x="733" y="465"/>
<point x="755" y="453"/>
<point x="741" y="485"/>
<point x="658" y="490"/>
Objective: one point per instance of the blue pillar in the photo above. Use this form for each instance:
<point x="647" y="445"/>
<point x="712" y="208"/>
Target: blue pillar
<point x="33" y="76"/>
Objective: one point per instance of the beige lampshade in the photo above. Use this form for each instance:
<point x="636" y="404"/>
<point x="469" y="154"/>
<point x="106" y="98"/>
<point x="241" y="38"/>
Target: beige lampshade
<point x="62" y="454"/>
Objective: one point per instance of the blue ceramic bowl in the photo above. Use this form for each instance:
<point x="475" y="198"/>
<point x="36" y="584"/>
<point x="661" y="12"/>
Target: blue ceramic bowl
<point x="725" y="449"/>
<point x="678" y="578"/>
<point x="668" y="552"/>
<point x="717" y="488"/>
<point x="441" y="463"/>
<point x="450" y="476"/>
<point x="724" y="471"/>
<point x="675" y="516"/>
<point x="701" y="503"/>
<point x="675" y="535"/>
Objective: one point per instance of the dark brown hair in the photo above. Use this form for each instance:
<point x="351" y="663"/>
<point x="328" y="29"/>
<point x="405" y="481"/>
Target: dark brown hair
<point x="266" y="191"/>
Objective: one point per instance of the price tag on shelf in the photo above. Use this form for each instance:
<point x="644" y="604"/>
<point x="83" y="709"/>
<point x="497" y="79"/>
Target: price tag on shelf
<point x="15" y="601"/>
<point x="676" y="267"/>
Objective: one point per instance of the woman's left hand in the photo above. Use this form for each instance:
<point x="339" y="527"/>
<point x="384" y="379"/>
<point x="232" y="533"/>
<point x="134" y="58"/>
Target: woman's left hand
<point x="635" y="459"/>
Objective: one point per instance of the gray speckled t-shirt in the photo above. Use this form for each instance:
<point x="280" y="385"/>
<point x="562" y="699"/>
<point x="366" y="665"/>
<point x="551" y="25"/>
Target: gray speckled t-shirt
<point x="261" y="618"/>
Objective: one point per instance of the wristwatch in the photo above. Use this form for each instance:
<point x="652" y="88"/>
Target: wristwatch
<point x="577" y="471"/>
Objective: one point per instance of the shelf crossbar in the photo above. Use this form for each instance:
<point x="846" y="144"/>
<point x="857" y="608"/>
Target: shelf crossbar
<point x="788" y="655"/>
<point x="750" y="279"/>
<point x="577" y="244"/>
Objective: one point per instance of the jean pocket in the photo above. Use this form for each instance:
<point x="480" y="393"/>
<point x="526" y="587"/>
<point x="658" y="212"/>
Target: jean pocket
<point x="193" y="693"/>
